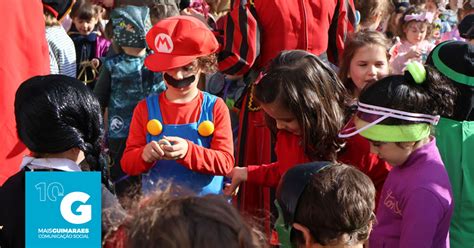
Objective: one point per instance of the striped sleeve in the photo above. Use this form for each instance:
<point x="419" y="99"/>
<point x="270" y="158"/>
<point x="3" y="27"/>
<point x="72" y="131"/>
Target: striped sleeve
<point x="343" y="23"/>
<point x="241" y="39"/>
<point x="62" y="48"/>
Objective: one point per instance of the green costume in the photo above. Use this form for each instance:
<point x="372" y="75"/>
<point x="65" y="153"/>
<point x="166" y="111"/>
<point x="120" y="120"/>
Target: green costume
<point x="455" y="136"/>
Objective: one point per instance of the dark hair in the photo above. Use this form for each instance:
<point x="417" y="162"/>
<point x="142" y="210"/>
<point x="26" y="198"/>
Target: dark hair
<point x="163" y="9"/>
<point x="417" y="2"/>
<point x="312" y="91"/>
<point x="164" y="220"/>
<point x="336" y="206"/>
<point x="55" y="113"/>
<point x="355" y="42"/>
<point x="403" y="24"/>
<point x="435" y="96"/>
<point x="84" y="10"/>
<point x="50" y="19"/>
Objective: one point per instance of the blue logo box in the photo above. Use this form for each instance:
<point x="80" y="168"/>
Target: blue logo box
<point x="63" y="209"/>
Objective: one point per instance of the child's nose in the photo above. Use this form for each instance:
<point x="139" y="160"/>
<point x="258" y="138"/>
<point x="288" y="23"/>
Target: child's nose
<point x="280" y="125"/>
<point x="176" y="74"/>
<point x="372" y="70"/>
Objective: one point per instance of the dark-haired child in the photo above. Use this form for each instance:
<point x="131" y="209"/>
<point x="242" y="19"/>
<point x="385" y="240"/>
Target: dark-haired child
<point x="90" y="45"/>
<point x="324" y="204"/>
<point x="308" y="103"/>
<point x="182" y="134"/>
<point x="58" y="119"/>
<point x="455" y="135"/>
<point x="124" y="81"/>
<point x="163" y="219"/>
<point x="396" y="114"/>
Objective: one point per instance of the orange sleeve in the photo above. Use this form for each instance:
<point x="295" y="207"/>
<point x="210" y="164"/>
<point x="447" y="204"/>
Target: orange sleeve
<point x="219" y="158"/>
<point x="132" y="162"/>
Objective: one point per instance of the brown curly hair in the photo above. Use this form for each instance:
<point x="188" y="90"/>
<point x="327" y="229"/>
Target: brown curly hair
<point x="165" y="220"/>
<point x="208" y="63"/>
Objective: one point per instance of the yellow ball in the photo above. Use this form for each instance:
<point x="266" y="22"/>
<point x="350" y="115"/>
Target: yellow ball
<point x="154" y="127"/>
<point x="206" y="128"/>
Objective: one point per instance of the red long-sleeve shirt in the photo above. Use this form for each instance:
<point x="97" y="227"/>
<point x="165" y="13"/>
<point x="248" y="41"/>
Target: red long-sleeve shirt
<point x="290" y="152"/>
<point x="216" y="160"/>
<point x="254" y="32"/>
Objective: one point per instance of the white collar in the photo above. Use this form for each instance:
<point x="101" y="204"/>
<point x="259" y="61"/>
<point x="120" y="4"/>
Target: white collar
<point x="62" y="164"/>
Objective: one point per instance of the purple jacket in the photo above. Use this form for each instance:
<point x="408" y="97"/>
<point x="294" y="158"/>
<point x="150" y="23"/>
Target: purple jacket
<point x="416" y="204"/>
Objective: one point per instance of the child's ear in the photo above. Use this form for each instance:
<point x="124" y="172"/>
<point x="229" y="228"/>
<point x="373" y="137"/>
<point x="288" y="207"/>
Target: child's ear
<point x="308" y="239"/>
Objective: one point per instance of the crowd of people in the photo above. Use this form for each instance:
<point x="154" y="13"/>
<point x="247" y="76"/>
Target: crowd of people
<point x="247" y="123"/>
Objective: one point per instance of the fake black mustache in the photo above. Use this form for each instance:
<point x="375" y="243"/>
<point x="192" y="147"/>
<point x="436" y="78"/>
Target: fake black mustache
<point x="179" y="83"/>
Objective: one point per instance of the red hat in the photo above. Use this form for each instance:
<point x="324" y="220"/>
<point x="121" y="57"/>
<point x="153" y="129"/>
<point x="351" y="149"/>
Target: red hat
<point x="177" y="41"/>
<point x="59" y="8"/>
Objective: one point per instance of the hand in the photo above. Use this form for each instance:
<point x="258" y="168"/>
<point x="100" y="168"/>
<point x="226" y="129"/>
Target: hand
<point x="177" y="150"/>
<point x="238" y="175"/>
<point x="413" y="53"/>
<point x="152" y="152"/>
<point x="95" y="62"/>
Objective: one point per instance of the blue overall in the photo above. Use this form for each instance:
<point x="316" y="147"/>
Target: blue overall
<point x="200" y="183"/>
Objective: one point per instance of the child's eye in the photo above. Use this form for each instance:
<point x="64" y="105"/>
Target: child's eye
<point x="363" y="64"/>
<point x="188" y="68"/>
<point x="376" y="143"/>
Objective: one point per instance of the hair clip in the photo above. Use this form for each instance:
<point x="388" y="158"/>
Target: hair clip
<point x="420" y="17"/>
<point x="260" y="76"/>
<point x="417" y="71"/>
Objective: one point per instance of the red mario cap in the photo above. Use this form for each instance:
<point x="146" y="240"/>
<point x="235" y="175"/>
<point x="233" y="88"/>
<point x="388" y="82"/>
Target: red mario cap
<point x="177" y="41"/>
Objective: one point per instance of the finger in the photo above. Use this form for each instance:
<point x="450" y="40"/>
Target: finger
<point x="172" y="148"/>
<point x="154" y="155"/>
<point x="227" y="191"/>
<point x="166" y="157"/>
<point x="157" y="148"/>
<point x="232" y="187"/>
<point x="175" y="155"/>
<point x="173" y="139"/>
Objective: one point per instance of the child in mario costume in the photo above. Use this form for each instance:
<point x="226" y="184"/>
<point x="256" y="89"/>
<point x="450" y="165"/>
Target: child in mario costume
<point x="183" y="134"/>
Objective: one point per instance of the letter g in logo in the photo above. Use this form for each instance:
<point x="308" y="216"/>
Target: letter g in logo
<point x="85" y="210"/>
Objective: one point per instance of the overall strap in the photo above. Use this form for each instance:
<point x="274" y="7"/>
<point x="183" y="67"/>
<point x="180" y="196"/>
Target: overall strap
<point x="207" y="107"/>
<point x="154" y="111"/>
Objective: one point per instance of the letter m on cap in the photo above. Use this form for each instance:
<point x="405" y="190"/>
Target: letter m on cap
<point x="163" y="43"/>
